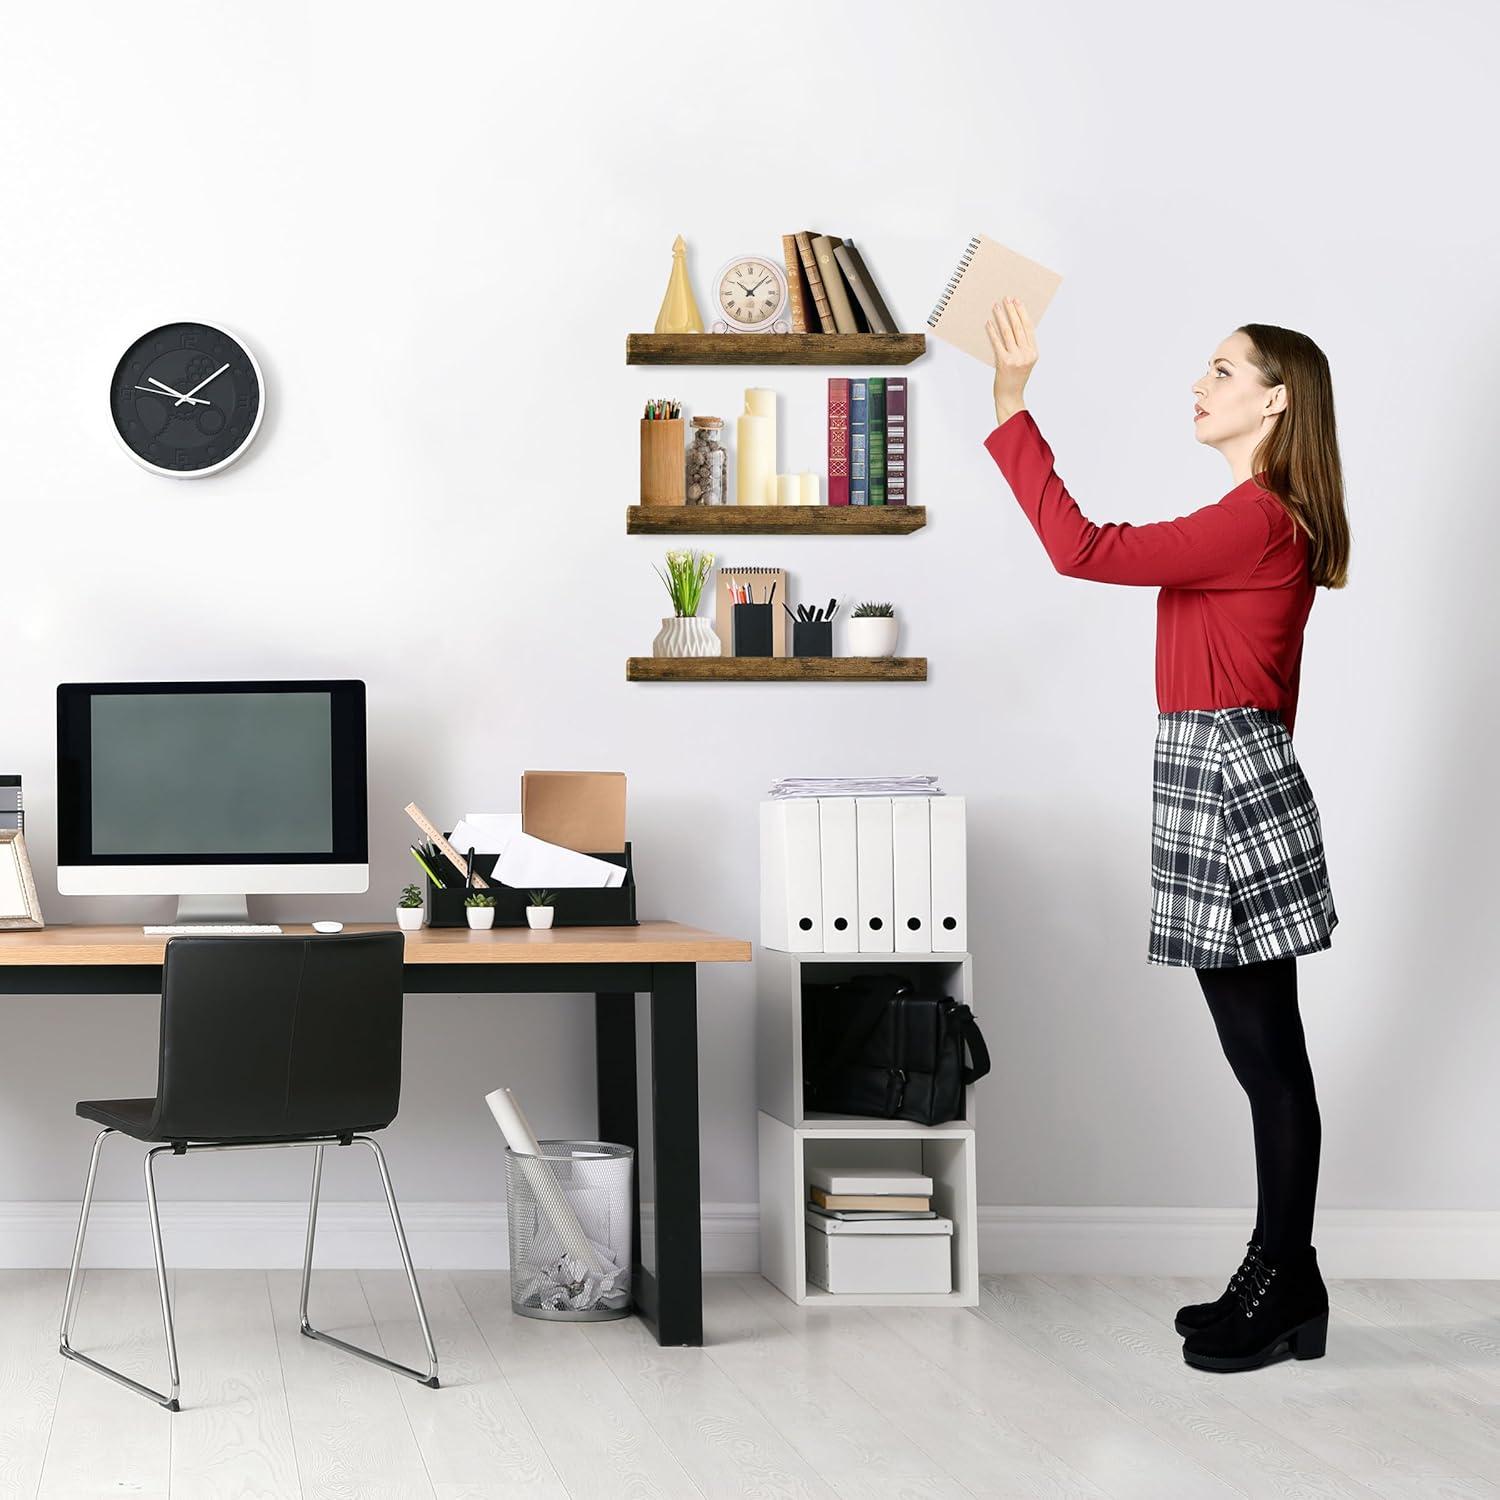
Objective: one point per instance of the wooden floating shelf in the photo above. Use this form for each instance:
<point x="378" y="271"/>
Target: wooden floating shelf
<point x="776" y="669"/>
<point x="766" y="520"/>
<point x="774" y="348"/>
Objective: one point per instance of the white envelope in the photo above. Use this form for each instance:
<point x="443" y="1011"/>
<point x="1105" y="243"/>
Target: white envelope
<point x="528" y="863"/>
<point x="485" y="833"/>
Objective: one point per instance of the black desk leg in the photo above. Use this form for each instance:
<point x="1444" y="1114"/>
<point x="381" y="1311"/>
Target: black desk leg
<point x="674" y="1143"/>
<point x="616" y="1086"/>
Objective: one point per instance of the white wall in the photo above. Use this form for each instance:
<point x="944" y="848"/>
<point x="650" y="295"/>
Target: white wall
<point x="435" y="225"/>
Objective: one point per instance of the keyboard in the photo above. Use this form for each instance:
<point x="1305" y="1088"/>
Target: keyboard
<point x="213" y="929"/>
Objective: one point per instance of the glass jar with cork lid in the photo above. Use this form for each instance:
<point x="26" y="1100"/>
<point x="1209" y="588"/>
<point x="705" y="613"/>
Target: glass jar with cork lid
<point x="707" y="463"/>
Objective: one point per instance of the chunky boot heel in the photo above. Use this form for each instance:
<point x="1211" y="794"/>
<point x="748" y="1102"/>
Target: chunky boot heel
<point x="1310" y="1341"/>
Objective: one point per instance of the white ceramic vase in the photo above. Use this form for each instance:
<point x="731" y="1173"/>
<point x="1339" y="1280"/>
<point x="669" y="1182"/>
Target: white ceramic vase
<point x="686" y="635"/>
<point x="409" y="918"/>
<point x="480" y="917"/>
<point x="540" y="916"/>
<point x="872" y="635"/>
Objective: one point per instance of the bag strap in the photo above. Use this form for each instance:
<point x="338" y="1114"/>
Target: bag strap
<point x="974" y="1037"/>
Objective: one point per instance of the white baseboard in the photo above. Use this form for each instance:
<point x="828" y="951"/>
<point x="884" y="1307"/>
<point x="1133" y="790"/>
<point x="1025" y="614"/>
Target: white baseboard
<point x="471" y="1236"/>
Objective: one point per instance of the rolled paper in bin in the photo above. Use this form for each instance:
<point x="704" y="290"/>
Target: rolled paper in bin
<point x="522" y="1140"/>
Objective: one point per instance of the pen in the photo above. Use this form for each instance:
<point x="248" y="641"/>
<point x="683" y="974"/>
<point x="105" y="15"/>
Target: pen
<point x="772" y="595"/>
<point x="432" y="874"/>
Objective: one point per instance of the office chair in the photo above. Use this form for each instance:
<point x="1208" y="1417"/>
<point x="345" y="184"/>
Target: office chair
<point x="265" y="1042"/>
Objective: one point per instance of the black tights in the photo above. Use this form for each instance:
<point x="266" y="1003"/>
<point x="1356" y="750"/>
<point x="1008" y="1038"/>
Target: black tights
<point x="1254" y="1007"/>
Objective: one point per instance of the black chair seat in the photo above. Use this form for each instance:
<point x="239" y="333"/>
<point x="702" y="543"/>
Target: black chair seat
<point x="128" y="1116"/>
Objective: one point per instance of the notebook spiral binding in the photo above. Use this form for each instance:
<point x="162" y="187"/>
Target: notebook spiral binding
<point x="953" y="281"/>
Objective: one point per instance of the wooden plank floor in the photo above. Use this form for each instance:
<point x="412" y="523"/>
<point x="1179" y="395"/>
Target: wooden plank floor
<point x="1057" y="1385"/>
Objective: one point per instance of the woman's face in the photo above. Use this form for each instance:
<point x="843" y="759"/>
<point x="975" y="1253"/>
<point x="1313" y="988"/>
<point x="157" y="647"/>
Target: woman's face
<point x="1231" y="400"/>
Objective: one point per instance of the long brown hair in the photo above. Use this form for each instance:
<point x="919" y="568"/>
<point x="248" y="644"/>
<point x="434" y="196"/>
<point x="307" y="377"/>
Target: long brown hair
<point x="1299" y="457"/>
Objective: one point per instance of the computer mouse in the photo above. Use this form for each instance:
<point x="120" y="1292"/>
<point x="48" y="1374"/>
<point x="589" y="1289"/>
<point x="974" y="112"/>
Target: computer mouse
<point x="328" y="926"/>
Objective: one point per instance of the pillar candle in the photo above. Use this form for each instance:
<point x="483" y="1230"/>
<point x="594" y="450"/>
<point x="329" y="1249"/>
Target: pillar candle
<point x="808" y="485"/>
<point x="756" y="462"/>
<point x="760" y="401"/>
<point x="787" y="489"/>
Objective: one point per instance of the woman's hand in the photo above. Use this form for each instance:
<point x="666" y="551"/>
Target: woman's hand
<point x="1014" y="341"/>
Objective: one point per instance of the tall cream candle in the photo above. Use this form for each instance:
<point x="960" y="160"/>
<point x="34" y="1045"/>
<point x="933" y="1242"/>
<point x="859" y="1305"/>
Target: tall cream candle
<point x="755" y="467"/>
<point x="760" y="401"/>
<point x="808" y="487"/>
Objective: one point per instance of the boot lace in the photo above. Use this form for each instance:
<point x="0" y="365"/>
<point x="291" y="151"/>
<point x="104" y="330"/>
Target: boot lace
<point x="1254" y="1285"/>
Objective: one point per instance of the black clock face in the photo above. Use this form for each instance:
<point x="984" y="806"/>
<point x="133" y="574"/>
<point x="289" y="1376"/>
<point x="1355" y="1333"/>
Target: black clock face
<point x="186" y="399"/>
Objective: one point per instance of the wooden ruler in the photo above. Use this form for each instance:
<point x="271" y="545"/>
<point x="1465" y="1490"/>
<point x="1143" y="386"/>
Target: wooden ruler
<point x="454" y="858"/>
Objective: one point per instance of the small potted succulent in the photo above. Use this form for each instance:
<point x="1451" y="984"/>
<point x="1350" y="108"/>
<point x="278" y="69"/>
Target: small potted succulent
<point x="479" y="908"/>
<point x="872" y="630"/>
<point x="539" y="910"/>
<point x="409" y="911"/>
<point x="682" y="633"/>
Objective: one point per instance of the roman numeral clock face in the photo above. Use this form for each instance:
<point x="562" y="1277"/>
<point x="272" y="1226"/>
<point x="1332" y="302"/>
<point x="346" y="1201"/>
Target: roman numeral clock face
<point x="186" y="399"/>
<point x="752" y="294"/>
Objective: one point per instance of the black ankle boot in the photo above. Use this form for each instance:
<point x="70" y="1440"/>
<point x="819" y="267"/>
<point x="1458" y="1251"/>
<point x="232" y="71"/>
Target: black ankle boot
<point x="1200" y="1315"/>
<point x="1281" y="1310"/>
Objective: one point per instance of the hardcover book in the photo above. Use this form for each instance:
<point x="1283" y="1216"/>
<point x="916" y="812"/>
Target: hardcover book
<point x="833" y="282"/>
<point x="804" y="238"/>
<point x="859" y="479"/>
<point x="876" y="445"/>
<point x="877" y="316"/>
<point x="838" y="440"/>
<point x="896" y="398"/>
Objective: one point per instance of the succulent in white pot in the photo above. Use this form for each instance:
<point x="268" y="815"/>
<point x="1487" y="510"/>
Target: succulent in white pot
<point x="539" y="909"/>
<point x="872" y="630"/>
<point x="479" y="908"/>
<point x="682" y="633"/>
<point x="409" y="909"/>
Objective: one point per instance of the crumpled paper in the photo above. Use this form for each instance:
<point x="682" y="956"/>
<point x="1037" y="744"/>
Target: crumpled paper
<point x="565" y="1284"/>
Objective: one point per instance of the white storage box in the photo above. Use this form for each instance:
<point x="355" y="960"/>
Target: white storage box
<point x="864" y="1255"/>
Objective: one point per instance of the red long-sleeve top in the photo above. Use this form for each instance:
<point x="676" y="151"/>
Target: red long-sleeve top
<point x="1235" y="585"/>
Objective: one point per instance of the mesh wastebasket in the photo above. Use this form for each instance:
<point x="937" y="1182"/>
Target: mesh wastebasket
<point x="568" y="1212"/>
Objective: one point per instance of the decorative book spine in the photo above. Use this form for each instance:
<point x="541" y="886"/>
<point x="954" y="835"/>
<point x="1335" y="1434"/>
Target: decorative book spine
<point x="859" y="482"/>
<point x="876" y="419"/>
<point x="838" y="440"/>
<point x="895" y="440"/>
<point x="833" y="283"/>
<point x="814" y="280"/>
<point x="793" y="263"/>
<point x="953" y="281"/>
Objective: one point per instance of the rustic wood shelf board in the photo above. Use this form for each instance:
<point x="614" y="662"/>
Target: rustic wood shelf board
<point x="774" y="348"/>
<point x="776" y="669"/>
<point x="766" y="520"/>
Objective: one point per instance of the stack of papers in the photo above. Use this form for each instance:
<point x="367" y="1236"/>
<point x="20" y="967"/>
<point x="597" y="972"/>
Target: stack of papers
<point x="857" y="786"/>
<point x="528" y="863"/>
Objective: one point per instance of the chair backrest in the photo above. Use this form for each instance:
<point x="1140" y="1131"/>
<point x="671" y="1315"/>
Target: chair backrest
<point x="279" y="1036"/>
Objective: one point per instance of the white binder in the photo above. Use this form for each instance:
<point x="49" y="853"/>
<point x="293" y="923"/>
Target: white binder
<point x="872" y="819"/>
<point x="911" y="849"/>
<point x="950" y="905"/>
<point x="836" y="835"/>
<point x="791" y="909"/>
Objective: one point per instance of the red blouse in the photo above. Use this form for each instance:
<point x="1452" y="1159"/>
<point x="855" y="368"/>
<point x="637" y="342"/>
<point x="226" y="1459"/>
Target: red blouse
<point x="1235" y="587"/>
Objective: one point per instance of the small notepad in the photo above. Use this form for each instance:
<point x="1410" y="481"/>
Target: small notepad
<point x="988" y="272"/>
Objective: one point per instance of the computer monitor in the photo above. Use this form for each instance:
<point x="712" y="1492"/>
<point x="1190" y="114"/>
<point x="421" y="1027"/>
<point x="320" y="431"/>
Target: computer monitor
<point x="210" y="791"/>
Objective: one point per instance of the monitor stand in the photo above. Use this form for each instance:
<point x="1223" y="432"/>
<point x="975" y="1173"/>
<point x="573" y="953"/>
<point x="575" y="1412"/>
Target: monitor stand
<point x="211" y="909"/>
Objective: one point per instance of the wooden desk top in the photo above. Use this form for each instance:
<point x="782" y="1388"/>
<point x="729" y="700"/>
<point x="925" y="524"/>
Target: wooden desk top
<point x="651" y="942"/>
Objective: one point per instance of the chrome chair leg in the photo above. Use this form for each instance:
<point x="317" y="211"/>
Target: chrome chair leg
<point x="70" y="1301"/>
<point x="431" y="1376"/>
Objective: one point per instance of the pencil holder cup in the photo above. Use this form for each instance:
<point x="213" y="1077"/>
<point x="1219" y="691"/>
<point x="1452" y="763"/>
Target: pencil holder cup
<point x="812" y="637"/>
<point x="663" y="462"/>
<point x="752" y="630"/>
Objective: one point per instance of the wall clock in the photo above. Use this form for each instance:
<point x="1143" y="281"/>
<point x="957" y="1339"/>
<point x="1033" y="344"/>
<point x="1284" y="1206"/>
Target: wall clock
<point x="186" y="399"/>
<point x="751" y="296"/>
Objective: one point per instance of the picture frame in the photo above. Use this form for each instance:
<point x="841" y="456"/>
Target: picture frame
<point x="19" y="907"/>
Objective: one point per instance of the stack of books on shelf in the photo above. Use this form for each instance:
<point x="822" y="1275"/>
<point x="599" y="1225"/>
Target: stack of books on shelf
<point x="830" y="286"/>
<point x="868" y="445"/>
<point x="876" y="1231"/>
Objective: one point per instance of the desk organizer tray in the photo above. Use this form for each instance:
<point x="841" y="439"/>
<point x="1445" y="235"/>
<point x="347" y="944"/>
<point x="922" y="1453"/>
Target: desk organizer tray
<point x="577" y="906"/>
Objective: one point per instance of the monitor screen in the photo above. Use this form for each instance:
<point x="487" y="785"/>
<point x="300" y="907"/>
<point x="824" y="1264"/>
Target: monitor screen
<point x="182" y="773"/>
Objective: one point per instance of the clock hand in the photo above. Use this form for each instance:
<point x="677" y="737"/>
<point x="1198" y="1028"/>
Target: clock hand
<point x="165" y="389"/>
<point x="203" y="383"/>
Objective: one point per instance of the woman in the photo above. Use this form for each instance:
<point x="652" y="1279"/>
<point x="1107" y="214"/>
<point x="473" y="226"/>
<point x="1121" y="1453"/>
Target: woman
<point x="1238" y="876"/>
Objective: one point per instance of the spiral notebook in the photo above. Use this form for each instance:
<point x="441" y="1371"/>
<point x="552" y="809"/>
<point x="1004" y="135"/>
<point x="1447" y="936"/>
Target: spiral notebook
<point x="988" y="272"/>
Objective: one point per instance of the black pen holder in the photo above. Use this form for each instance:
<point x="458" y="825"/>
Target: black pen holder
<point x="812" y="637"/>
<point x="576" y="906"/>
<point x="752" y="630"/>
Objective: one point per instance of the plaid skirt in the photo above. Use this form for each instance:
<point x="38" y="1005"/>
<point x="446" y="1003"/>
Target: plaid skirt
<point x="1238" y="873"/>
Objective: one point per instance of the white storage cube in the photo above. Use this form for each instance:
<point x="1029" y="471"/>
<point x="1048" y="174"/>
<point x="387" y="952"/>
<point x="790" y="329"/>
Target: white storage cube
<point x="903" y="1264"/>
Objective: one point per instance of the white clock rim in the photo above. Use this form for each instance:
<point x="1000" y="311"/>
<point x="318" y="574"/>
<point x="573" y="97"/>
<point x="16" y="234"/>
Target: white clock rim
<point x="776" y="270"/>
<point x="239" y="452"/>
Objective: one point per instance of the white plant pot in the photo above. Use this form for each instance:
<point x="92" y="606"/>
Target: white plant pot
<point x="481" y="918"/>
<point x="872" y="635"/>
<point x="539" y="916"/>
<point x="687" y="635"/>
<point x="410" y="918"/>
